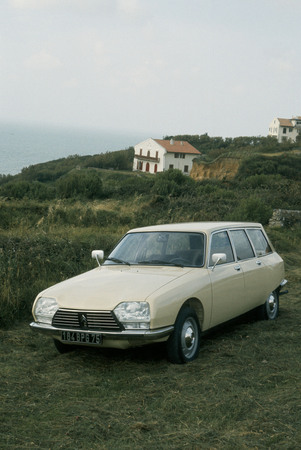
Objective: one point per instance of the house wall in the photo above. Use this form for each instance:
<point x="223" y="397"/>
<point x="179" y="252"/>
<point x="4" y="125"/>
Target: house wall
<point x="282" y="133"/>
<point x="152" y="156"/>
<point x="178" y="162"/>
<point x="274" y="128"/>
<point x="152" y="147"/>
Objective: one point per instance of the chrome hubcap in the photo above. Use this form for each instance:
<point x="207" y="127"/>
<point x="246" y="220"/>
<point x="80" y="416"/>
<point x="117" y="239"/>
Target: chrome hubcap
<point x="271" y="303"/>
<point x="189" y="338"/>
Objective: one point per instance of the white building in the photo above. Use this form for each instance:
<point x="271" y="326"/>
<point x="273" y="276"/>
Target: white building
<point x="158" y="155"/>
<point x="284" y="129"/>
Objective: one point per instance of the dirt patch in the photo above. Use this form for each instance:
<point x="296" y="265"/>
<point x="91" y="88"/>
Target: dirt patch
<point x="221" y="169"/>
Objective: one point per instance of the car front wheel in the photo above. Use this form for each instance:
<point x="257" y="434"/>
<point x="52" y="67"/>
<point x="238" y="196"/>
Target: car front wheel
<point x="184" y="343"/>
<point x="270" y="309"/>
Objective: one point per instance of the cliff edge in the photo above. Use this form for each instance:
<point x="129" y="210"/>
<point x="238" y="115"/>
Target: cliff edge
<point x="224" y="168"/>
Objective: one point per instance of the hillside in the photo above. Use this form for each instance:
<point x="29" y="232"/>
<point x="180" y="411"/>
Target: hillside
<point x="52" y="215"/>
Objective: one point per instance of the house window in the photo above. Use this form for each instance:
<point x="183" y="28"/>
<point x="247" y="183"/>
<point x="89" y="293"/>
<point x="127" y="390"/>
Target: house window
<point x="147" y="167"/>
<point x="140" y="151"/>
<point x="186" y="169"/>
<point x="141" y="165"/>
<point x="284" y="131"/>
<point x="156" y="168"/>
<point x="290" y="129"/>
<point x="170" y="166"/>
<point x="157" y="154"/>
<point x="177" y="155"/>
<point x="148" y="154"/>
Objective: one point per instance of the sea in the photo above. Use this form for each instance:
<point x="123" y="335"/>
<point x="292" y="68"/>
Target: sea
<point x="25" y="145"/>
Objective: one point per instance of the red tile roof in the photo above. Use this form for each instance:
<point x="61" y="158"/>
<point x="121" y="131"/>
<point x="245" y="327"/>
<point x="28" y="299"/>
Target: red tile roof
<point x="285" y="122"/>
<point x="177" y="146"/>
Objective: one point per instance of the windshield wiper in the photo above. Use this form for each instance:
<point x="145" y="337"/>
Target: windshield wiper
<point x="118" y="261"/>
<point x="160" y="262"/>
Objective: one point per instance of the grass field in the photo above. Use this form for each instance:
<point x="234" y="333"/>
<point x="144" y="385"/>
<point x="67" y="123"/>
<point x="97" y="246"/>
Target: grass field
<point x="242" y="392"/>
<point x="244" y="389"/>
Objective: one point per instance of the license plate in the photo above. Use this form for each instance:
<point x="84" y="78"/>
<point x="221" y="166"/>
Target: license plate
<point x="79" y="337"/>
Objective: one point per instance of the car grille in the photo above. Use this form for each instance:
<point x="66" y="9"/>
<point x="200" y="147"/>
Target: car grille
<point x="85" y="320"/>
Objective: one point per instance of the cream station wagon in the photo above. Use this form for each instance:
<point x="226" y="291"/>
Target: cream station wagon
<point x="165" y="283"/>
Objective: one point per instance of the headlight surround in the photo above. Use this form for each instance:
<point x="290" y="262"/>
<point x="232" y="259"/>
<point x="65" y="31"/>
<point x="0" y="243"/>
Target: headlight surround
<point x="133" y="315"/>
<point x="44" y="309"/>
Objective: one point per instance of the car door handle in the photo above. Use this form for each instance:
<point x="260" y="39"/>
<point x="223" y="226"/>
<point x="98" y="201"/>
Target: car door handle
<point x="258" y="262"/>
<point x="237" y="267"/>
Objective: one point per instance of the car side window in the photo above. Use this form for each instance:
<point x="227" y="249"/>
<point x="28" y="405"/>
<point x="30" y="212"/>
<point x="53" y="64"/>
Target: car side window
<point x="242" y="244"/>
<point x="220" y="243"/>
<point x="259" y="242"/>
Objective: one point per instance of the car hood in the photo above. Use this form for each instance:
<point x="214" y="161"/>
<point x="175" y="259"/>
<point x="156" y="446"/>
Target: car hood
<point x="106" y="287"/>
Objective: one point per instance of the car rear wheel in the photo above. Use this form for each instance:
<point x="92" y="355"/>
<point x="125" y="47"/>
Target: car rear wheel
<point x="184" y="343"/>
<point x="270" y="309"/>
<point x="62" y="348"/>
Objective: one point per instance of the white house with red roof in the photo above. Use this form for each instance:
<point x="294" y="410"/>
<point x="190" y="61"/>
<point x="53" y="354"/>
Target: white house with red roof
<point x="158" y="155"/>
<point x="285" y="129"/>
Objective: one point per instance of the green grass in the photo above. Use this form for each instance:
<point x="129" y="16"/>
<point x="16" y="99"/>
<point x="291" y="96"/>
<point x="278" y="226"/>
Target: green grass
<point x="242" y="392"/>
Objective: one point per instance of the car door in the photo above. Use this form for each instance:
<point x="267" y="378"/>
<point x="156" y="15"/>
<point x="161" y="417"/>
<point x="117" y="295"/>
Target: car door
<point x="227" y="281"/>
<point x="253" y="268"/>
<point x="265" y="262"/>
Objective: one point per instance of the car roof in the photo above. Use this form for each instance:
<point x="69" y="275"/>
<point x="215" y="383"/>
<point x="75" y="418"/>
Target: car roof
<point x="197" y="227"/>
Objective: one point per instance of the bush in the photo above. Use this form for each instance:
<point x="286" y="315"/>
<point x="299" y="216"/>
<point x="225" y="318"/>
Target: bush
<point x="173" y="183"/>
<point x="117" y="160"/>
<point x="83" y="184"/>
<point x="288" y="166"/>
<point x="25" y="189"/>
<point x="134" y="185"/>
<point x="252" y="209"/>
<point x="21" y="214"/>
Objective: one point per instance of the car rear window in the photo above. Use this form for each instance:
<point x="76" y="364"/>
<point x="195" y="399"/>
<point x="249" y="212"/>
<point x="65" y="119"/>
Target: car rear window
<point x="242" y="244"/>
<point x="259" y="242"/>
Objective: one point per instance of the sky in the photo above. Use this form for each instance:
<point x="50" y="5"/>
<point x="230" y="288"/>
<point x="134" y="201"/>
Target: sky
<point x="163" y="67"/>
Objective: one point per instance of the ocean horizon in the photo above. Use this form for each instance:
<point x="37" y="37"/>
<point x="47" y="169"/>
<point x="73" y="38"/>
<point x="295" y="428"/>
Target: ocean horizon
<point x="25" y="145"/>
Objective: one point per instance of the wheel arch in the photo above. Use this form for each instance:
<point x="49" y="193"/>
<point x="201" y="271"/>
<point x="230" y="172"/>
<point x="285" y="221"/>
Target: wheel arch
<point x="197" y="306"/>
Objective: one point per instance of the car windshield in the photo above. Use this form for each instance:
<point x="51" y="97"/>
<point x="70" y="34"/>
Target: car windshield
<point x="181" y="249"/>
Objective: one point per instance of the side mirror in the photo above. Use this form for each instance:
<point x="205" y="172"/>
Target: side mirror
<point x="218" y="258"/>
<point x="98" y="255"/>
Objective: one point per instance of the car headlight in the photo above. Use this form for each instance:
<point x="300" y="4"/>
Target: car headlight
<point x="44" y="309"/>
<point x="133" y="315"/>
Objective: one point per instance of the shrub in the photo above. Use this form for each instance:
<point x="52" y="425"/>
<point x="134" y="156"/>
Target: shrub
<point x="25" y="189"/>
<point x="286" y="165"/>
<point x="252" y="209"/>
<point x="173" y="183"/>
<point x="84" y="184"/>
<point x="134" y="185"/>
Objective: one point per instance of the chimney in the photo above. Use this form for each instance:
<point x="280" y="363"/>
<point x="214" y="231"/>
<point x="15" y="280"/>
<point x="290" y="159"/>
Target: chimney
<point x="171" y="142"/>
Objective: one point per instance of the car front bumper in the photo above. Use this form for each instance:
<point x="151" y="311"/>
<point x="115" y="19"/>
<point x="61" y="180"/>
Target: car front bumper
<point x="128" y="335"/>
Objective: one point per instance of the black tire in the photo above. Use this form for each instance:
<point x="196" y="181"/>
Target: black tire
<point x="63" y="348"/>
<point x="184" y="343"/>
<point x="270" y="309"/>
